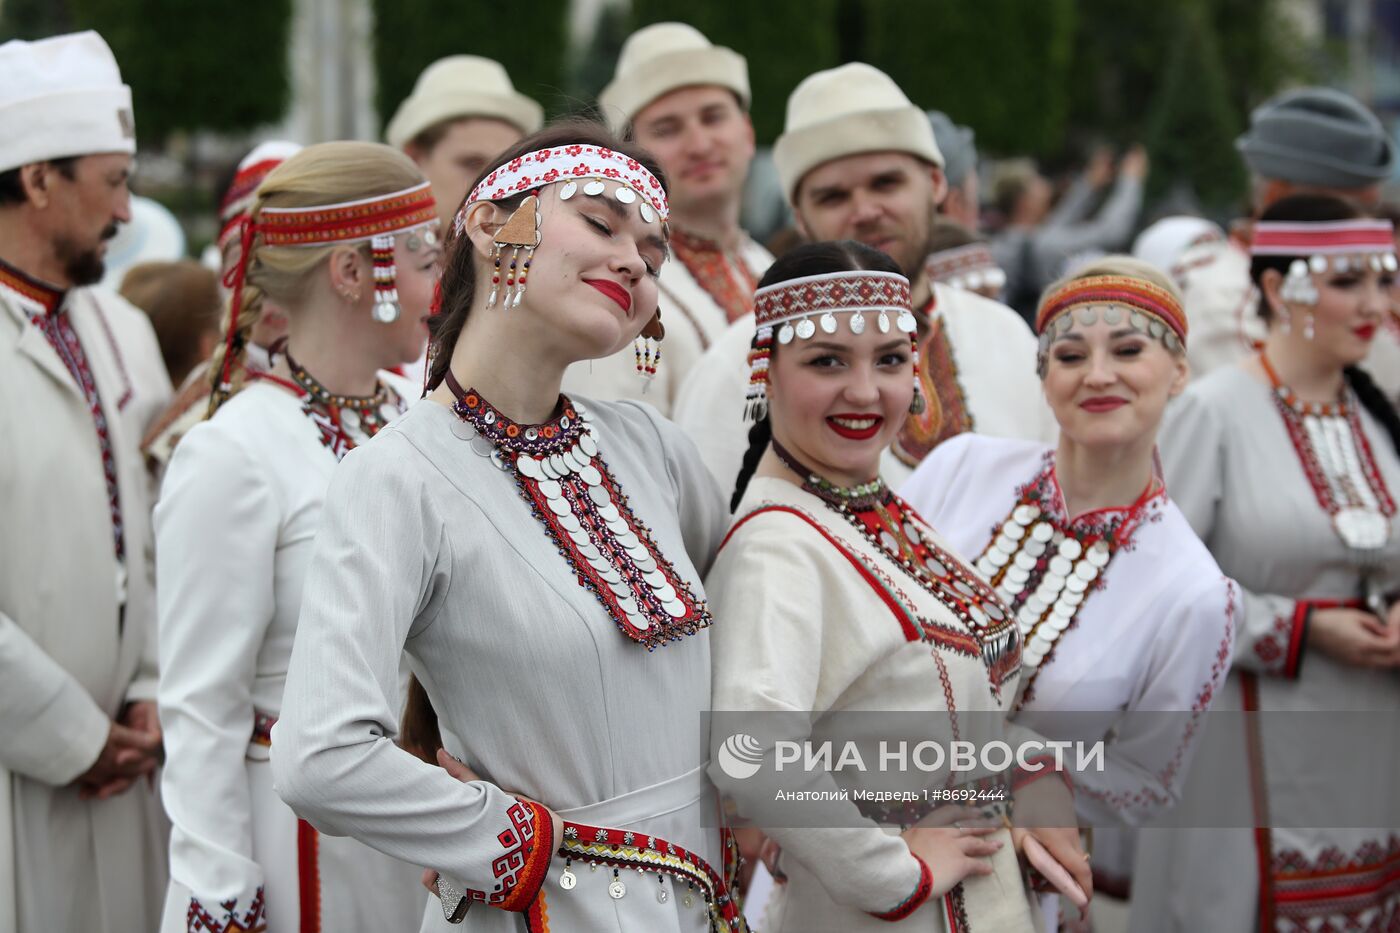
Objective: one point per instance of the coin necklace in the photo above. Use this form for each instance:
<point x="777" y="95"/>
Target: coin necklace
<point x="573" y="494"/>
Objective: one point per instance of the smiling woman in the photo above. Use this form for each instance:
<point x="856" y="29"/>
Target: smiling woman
<point x="1122" y="609"/>
<point x="538" y="560"/>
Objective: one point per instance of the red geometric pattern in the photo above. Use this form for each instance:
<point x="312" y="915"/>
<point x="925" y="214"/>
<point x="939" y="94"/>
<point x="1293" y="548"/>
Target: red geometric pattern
<point x="946" y="413"/>
<point x="354" y="220"/>
<point x="1338" y="891"/>
<point x="520" y="870"/>
<point x="845" y="291"/>
<point x="728" y="281"/>
<point x="547" y="166"/>
<point x="252" y="920"/>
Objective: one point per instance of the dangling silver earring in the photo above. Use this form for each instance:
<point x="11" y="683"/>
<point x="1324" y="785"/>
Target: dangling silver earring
<point x="1308" y="332"/>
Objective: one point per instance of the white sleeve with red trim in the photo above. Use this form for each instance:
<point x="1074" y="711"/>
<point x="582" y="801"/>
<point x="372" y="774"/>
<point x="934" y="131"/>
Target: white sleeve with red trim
<point x="794" y="648"/>
<point x="1270" y="630"/>
<point x="217" y="526"/>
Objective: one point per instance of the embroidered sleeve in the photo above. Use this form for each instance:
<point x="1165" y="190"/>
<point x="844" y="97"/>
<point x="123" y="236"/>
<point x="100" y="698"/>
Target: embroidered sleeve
<point x="915" y="900"/>
<point x="1272" y="634"/>
<point x="1152" y="745"/>
<point x="382" y="569"/>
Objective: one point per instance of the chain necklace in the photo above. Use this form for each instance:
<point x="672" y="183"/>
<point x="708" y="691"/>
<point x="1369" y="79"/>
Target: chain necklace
<point x="887" y="524"/>
<point x="328" y="411"/>
<point x="1337" y="459"/>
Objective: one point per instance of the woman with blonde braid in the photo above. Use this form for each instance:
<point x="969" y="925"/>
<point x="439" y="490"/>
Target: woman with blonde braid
<point x="342" y="237"/>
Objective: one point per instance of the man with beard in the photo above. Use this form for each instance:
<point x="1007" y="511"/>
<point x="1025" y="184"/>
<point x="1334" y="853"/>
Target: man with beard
<point x="686" y="101"/>
<point x="82" y="842"/>
<point x="859" y="161"/>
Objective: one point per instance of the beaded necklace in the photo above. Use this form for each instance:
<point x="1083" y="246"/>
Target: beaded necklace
<point x="889" y="525"/>
<point x="562" y="476"/>
<point x="1339" y="465"/>
<point x="338" y="418"/>
<point x="1044" y="565"/>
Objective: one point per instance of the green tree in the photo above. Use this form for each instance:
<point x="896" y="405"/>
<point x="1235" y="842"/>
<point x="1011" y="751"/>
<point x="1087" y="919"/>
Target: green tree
<point x="532" y="43"/>
<point x="783" y="40"/>
<point x="999" y="66"/>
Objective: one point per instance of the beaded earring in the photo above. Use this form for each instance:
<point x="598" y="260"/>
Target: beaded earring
<point x="917" y="405"/>
<point x="647" y="347"/>
<point x="386" y="293"/>
<point x="520" y="232"/>
<point x="760" y="352"/>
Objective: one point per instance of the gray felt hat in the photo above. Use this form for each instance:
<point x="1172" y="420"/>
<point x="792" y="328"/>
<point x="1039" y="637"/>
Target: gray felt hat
<point x="1317" y="136"/>
<point x="956" y="144"/>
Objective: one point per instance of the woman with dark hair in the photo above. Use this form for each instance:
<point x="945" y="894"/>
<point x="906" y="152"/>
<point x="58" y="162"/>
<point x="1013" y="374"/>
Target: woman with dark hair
<point x="837" y="597"/>
<point x="1287" y="466"/>
<point x="539" y="560"/>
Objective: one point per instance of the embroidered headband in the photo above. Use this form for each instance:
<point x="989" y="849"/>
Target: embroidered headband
<point x="1336" y="245"/>
<point x="376" y="219"/>
<point x="971" y="267"/>
<point x="798" y="307"/>
<point x="1145" y="307"/>
<point x="577" y="166"/>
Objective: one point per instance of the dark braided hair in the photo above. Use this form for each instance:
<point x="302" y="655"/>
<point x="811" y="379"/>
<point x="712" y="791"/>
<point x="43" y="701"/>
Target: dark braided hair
<point x="1317" y="208"/>
<point x="809" y="259"/>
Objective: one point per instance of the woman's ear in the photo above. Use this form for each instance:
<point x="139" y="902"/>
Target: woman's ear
<point x="482" y="221"/>
<point x="1182" y="376"/>
<point x="1270" y="283"/>
<point x="350" y="273"/>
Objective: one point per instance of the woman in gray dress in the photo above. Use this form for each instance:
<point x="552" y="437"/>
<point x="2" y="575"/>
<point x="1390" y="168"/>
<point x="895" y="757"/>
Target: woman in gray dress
<point x="1287" y="465"/>
<point x="538" y="558"/>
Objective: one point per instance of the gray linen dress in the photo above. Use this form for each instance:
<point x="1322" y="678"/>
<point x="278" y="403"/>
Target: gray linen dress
<point x="429" y="548"/>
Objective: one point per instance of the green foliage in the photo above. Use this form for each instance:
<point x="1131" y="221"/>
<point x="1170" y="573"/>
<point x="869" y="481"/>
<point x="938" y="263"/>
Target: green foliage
<point x="784" y="41"/>
<point x="531" y="42"/>
<point x="999" y="66"/>
<point x="215" y="65"/>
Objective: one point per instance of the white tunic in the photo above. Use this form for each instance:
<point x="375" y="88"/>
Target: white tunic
<point x="1221" y="305"/>
<point x="993" y="350"/>
<point x="693" y="321"/>
<point x="235" y="525"/>
<point x="1154" y="634"/>
<point x="1239" y="480"/>
<point x="428" y="547"/>
<point x="70" y="657"/>
<point x="806" y="630"/>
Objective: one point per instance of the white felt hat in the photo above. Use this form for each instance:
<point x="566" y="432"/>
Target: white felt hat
<point x="461" y="86"/>
<point x="846" y="111"/>
<point x="665" y="57"/>
<point x="62" y="97"/>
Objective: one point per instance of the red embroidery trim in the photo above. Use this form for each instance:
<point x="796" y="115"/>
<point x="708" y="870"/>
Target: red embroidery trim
<point x="252" y="920"/>
<point x="915" y="900"/>
<point x="715" y="272"/>
<point x="308" y="878"/>
<point x="947" y="413"/>
<point x="41" y="293"/>
<point x="528" y="843"/>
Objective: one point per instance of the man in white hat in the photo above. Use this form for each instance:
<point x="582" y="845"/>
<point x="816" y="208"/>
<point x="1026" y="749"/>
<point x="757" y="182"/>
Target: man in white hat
<point x="858" y="161"/>
<point x="81" y="835"/>
<point x="463" y="111"/>
<point x="1309" y="140"/>
<point x="687" y="102"/>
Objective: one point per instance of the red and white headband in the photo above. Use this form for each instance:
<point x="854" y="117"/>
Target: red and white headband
<point x="971" y="267"/>
<point x="377" y="219"/>
<point x="1339" y="246"/>
<point x="580" y="167"/>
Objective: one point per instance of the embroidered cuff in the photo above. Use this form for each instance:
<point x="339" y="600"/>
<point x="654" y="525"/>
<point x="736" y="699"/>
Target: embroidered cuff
<point x="536" y="845"/>
<point x="914" y="901"/>
<point x="1025" y="776"/>
<point x="228" y="918"/>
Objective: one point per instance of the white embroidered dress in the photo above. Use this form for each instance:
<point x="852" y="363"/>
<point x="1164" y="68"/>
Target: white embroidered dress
<point x="235" y="526"/>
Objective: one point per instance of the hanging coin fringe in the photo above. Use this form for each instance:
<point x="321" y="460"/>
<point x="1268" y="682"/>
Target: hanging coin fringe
<point x="917" y="405"/>
<point x="386" y="293"/>
<point x="520" y="232"/>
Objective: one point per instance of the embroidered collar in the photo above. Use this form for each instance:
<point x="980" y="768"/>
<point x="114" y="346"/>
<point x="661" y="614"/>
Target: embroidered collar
<point x="1118" y="522"/>
<point x="34" y="290"/>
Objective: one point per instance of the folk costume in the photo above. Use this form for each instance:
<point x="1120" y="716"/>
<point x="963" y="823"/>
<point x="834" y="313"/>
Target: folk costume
<point x="1308" y="137"/>
<point x="707" y="286"/>
<point x="191" y="403"/>
<point x="1296" y="502"/>
<point x="1123" y="610"/>
<point x="838" y="599"/>
<point x="557" y="565"/>
<point x="237" y="517"/>
<point x="82" y="377"/>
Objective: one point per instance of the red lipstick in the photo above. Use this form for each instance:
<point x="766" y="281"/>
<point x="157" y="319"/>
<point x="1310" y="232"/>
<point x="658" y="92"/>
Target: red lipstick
<point x="1102" y="403"/>
<point x="872" y="422"/>
<point x="614" y="291"/>
<point x="1365" y="331"/>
